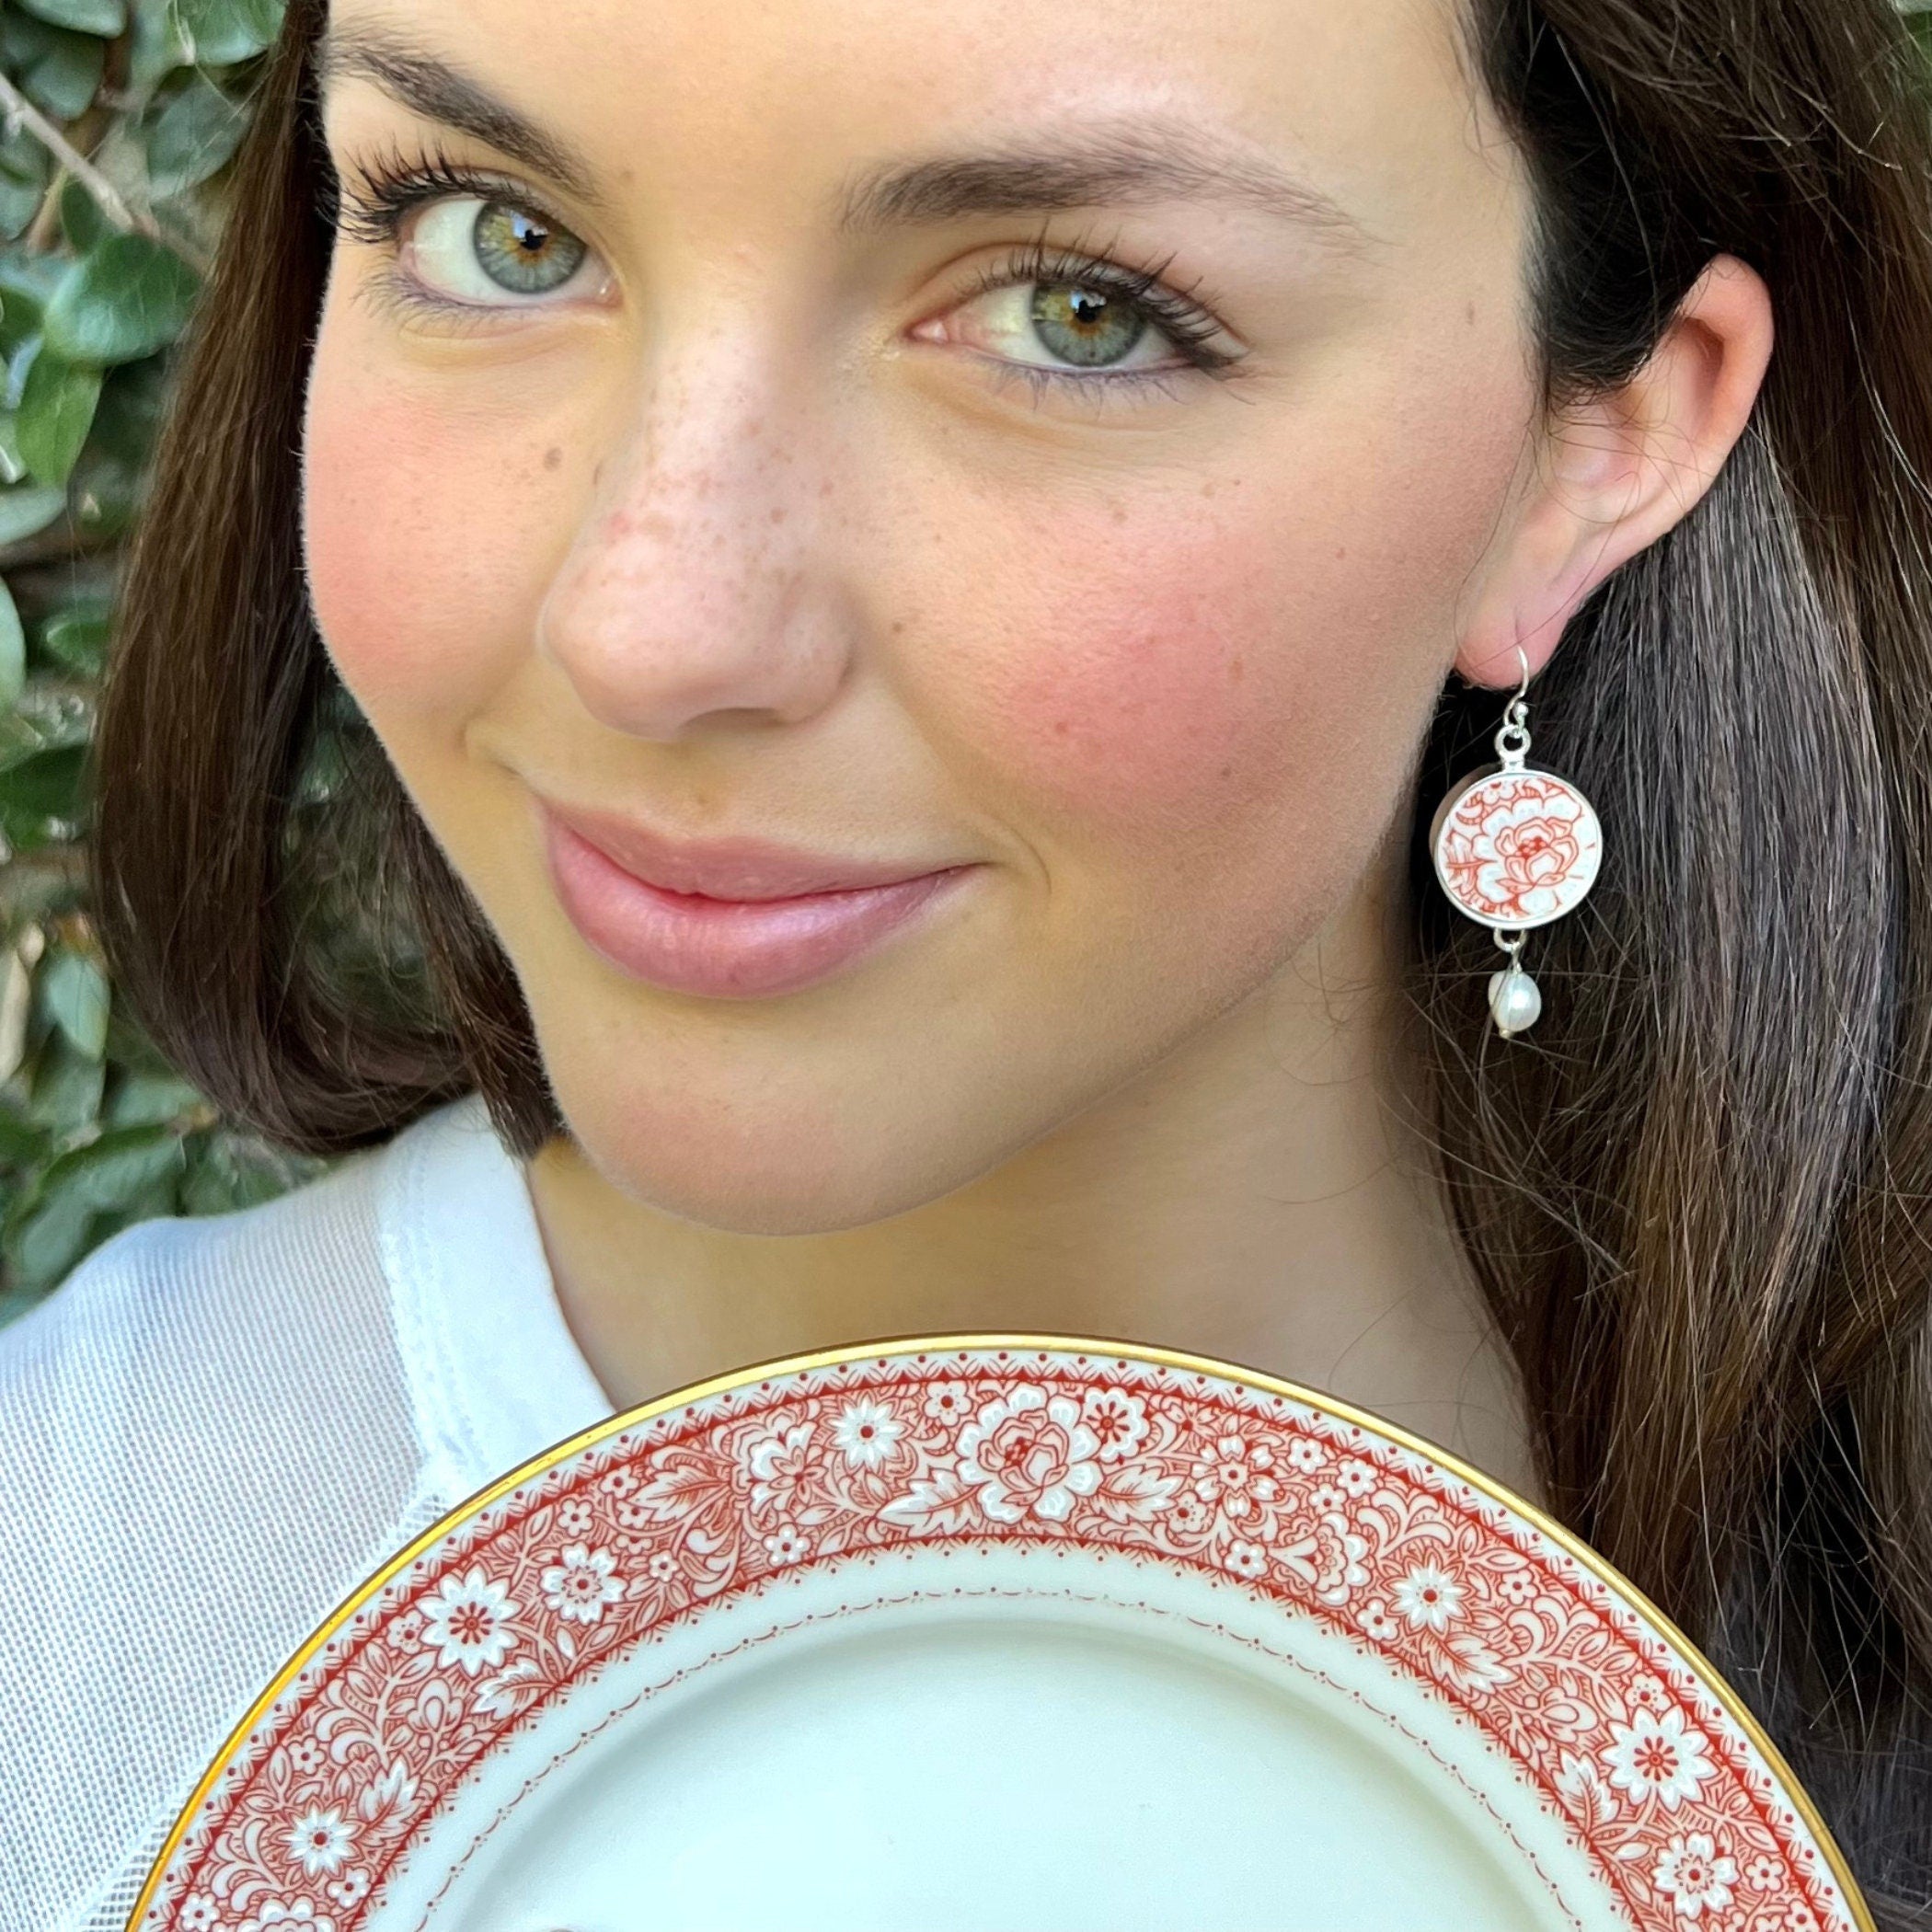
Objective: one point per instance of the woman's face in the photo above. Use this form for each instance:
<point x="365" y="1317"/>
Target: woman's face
<point x="720" y="491"/>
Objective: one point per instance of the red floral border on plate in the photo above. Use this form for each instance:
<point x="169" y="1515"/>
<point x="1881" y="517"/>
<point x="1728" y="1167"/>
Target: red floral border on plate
<point x="1655" y="1783"/>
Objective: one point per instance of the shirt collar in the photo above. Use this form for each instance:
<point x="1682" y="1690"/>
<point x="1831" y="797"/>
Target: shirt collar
<point x="494" y="1372"/>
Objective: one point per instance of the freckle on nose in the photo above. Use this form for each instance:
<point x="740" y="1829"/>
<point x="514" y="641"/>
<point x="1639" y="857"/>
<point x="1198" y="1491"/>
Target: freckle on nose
<point x="553" y="456"/>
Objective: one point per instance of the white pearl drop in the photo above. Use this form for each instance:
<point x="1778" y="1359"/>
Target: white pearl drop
<point x="1515" y="1000"/>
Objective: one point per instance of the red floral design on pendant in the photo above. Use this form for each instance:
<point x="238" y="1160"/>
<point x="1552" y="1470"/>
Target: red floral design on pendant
<point x="1515" y="847"/>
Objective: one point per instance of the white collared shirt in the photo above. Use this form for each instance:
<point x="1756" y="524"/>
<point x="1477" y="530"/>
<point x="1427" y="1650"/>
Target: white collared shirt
<point x="209" y="1434"/>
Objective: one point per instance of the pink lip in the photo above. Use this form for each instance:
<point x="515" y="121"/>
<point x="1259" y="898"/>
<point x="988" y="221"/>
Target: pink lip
<point x="742" y="947"/>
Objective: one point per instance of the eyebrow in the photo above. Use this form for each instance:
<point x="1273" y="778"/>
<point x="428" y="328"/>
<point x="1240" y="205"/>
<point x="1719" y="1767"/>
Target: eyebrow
<point x="432" y="87"/>
<point x="1106" y="161"/>
<point x="1119" y="161"/>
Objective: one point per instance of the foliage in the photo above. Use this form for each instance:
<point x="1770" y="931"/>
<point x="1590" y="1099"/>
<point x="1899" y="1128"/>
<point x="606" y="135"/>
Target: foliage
<point x="118" y="120"/>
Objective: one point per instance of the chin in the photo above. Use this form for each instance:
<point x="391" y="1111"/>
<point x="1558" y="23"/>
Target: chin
<point x="796" y="1167"/>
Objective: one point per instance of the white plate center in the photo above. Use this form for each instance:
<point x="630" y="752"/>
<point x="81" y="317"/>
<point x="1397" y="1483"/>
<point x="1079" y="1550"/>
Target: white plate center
<point x="992" y="1772"/>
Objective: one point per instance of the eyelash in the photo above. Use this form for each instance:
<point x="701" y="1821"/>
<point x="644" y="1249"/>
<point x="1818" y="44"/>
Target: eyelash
<point x="390" y="186"/>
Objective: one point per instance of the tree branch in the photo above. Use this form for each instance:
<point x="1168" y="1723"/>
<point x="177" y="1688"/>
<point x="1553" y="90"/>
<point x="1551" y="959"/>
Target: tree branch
<point x="20" y="110"/>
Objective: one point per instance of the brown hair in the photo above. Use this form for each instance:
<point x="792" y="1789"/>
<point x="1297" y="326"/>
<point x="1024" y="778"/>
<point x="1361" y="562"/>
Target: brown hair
<point x="1696" y="1195"/>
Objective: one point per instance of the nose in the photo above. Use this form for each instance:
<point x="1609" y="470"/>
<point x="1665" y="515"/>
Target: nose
<point x="693" y="594"/>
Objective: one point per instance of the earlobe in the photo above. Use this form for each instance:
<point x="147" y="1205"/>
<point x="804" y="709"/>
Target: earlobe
<point x="1623" y="470"/>
<point x="1527" y="596"/>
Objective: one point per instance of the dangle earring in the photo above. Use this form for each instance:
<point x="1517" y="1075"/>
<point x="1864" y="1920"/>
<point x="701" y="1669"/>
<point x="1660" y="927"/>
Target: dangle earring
<point x="1514" y="848"/>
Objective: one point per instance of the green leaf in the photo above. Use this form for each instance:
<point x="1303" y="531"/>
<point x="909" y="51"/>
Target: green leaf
<point x="156" y="47"/>
<point x="27" y="285"/>
<point x="23" y="153"/>
<point x="56" y="411"/>
<point x="58" y="70"/>
<point x="20" y="202"/>
<point x="22" y="1144"/>
<point x="48" y="896"/>
<point x="103" y="492"/>
<point x="77" y="638"/>
<point x="13" y="650"/>
<point x="42" y="721"/>
<point x="18" y="365"/>
<point x="142" y="1099"/>
<point x="160" y="1196"/>
<point x="12" y="465"/>
<point x="225" y="1173"/>
<point x="107" y="17"/>
<point x="126" y="298"/>
<point x="41" y="799"/>
<point x="24" y="168"/>
<point x="66" y="1089"/>
<point x="51" y="1237"/>
<point x="122" y="1162"/>
<point x="81" y="220"/>
<point x="221" y="30"/>
<point x="132" y="403"/>
<point x="27" y="509"/>
<point x="194" y="136"/>
<point x="73" y="991"/>
<point x="112" y="1181"/>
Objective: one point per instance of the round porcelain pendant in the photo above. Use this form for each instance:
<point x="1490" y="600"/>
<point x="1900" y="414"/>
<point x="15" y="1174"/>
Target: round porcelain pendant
<point x="1514" y="846"/>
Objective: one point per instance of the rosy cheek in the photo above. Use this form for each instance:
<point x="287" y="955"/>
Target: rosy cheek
<point x="1142" y="702"/>
<point x="1154" y="686"/>
<point x="418" y="583"/>
<point x="1246" y="672"/>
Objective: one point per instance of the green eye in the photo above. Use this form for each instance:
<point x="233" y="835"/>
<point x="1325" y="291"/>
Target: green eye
<point x="522" y="252"/>
<point x="1084" y="325"/>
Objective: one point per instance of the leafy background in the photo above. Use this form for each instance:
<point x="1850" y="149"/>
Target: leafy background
<point x="117" y="120"/>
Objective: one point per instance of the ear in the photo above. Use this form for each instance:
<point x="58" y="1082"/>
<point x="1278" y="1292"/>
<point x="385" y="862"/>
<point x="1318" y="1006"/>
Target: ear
<point x="1618" y="472"/>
